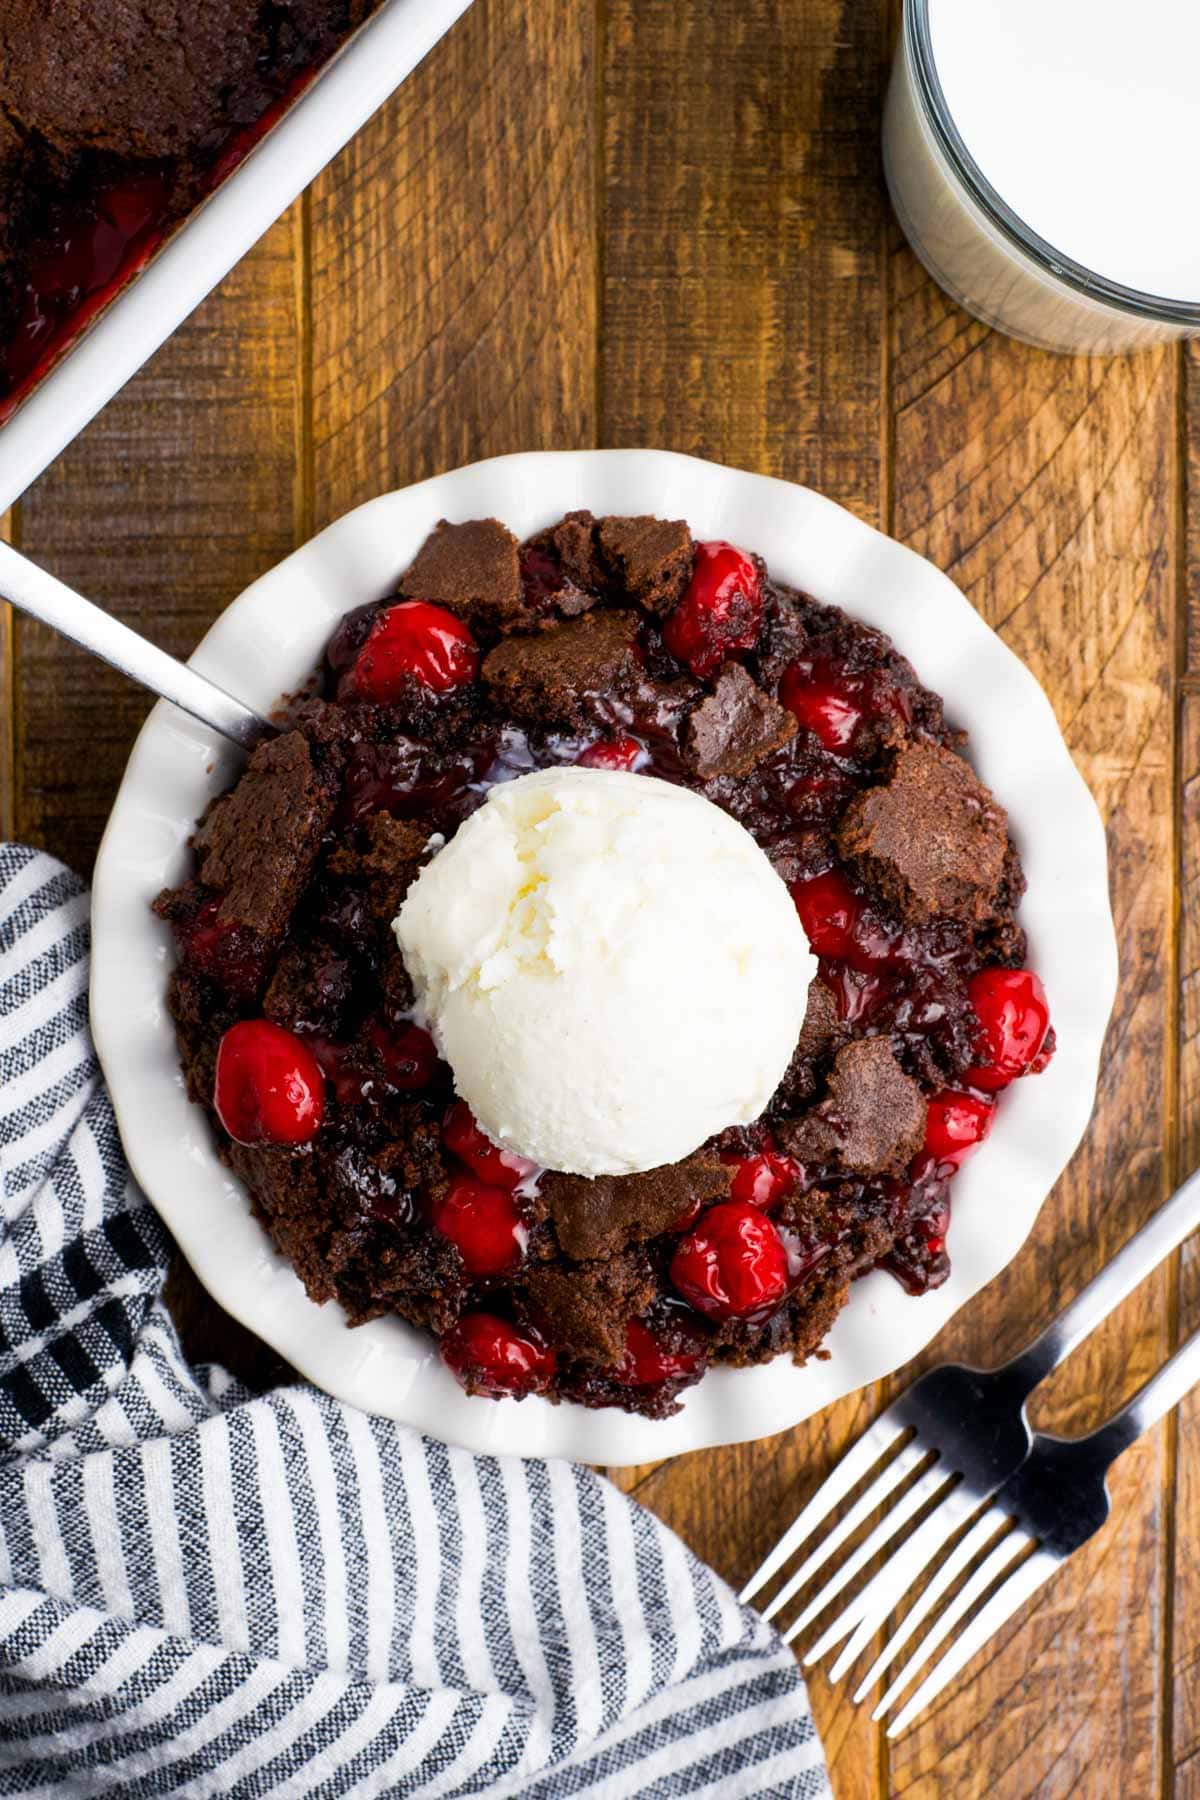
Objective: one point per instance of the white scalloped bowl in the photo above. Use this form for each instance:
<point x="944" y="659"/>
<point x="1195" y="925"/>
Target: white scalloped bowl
<point x="268" y="641"/>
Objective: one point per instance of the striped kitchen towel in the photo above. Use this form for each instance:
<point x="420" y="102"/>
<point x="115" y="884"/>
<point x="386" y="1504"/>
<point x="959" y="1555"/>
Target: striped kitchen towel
<point x="208" y="1592"/>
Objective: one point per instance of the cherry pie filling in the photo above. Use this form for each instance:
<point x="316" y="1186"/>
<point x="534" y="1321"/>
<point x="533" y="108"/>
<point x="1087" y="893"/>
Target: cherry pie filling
<point x="963" y="1017"/>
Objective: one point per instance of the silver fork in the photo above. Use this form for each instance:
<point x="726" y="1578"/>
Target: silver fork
<point x="963" y="1433"/>
<point x="1055" y="1502"/>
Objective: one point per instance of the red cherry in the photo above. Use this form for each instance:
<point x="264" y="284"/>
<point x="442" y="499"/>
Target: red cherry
<point x="646" y="1362"/>
<point x="411" y="641"/>
<point x="484" y="1223"/>
<point x="490" y="1356"/>
<point x="409" y="1057"/>
<point x="269" y="1088"/>
<point x="839" y="925"/>
<point x="1014" y="1020"/>
<point x="721" y="611"/>
<point x="684" y="1220"/>
<point x="618" y="753"/>
<point x="829" y="911"/>
<point x="498" y="1168"/>
<point x="734" y="1265"/>
<point x="763" y="1180"/>
<point x="955" y="1123"/>
<point x="823" y="707"/>
<point x="220" y="951"/>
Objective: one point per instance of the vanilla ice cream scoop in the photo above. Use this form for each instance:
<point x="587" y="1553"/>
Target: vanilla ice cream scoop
<point x="611" y="967"/>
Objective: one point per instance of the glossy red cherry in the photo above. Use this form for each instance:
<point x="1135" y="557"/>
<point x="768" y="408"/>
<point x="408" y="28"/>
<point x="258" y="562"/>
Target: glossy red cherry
<point x="484" y="1223"/>
<point x="1014" y="1020"/>
<point x="411" y="641"/>
<point x="269" y="1088"/>
<point x="733" y="1265"/>
<point x="826" y="708"/>
<point x="615" y="753"/>
<point x="409" y="1057"/>
<point x="499" y="1168"/>
<point x="721" y="611"/>
<point x="490" y="1356"/>
<point x="829" y="911"/>
<point x="954" y="1124"/>
<point x="221" y="951"/>
<point x="763" y="1180"/>
<point x="647" y="1363"/>
<point x="839" y="925"/>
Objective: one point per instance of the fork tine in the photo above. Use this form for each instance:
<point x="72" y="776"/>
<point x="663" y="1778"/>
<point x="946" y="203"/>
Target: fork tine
<point x="1004" y="1602"/>
<point x="884" y="1592"/>
<point x="942" y="1579"/>
<point x="871" y="1446"/>
<point x="918" y="1495"/>
<point x="898" y="1470"/>
<point x="999" y="1559"/>
<point x="897" y="1577"/>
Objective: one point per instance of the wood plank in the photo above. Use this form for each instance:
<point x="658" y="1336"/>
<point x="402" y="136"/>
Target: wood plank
<point x="1190" y="450"/>
<point x="743" y="320"/>
<point x="1185" y="1719"/>
<point x="742" y="292"/>
<point x="454" y="261"/>
<point x="1045" y="486"/>
<point x="179" y="494"/>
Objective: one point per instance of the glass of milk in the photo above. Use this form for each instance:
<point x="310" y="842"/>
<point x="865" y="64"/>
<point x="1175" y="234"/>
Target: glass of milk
<point x="1043" y="158"/>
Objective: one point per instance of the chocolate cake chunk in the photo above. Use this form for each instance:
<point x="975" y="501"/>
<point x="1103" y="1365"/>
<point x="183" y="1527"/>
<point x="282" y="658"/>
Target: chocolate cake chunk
<point x="153" y="78"/>
<point x="651" y="557"/>
<point x="823" y="1028"/>
<point x="310" y="988"/>
<point x="585" y="1311"/>
<point x="259" y="842"/>
<point x="600" y="1216"/>
<point x="932" y="838"/>
<point x="872" y="1120"/>
<point x="735" y="727"/>
<point x="387" y="864"/>
<point x="823" y="1031"/>
<point x="473" y="569"/>
<point x="565" y="677"/>
<point x="572" y="545"/>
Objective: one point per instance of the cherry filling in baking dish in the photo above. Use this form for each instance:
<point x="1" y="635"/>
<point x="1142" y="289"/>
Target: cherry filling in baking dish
<point x="115" y="122"/>
<point x="616" y="644"/>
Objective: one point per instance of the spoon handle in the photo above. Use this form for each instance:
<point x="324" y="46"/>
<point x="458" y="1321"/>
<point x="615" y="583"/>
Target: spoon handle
<point x="44" y="597"/>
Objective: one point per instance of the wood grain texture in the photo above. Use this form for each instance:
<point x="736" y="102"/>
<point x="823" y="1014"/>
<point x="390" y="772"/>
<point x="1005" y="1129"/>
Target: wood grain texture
<point x="652" y="221"/>
<point x="743" y="315"/>
<point x="453" y="269"/>
<point x="178" y="495"/>
<point x="1184" y="1738"/>
<point x="1045" y="487"/>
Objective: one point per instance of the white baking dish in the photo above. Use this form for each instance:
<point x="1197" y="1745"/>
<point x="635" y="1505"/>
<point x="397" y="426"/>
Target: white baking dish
<point x="201" y="252"/>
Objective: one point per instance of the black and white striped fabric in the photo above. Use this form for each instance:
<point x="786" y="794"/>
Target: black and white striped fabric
<point x="205" y="1592"/>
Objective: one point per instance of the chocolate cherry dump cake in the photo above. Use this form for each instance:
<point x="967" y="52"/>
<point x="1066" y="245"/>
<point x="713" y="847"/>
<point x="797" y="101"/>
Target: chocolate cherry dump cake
<point x="116" y="118"/>
<point x="401" y="808"/>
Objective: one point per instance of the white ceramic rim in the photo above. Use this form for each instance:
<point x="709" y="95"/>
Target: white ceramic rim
<point x="270" y="638"/>
<point x="111" y="348"/>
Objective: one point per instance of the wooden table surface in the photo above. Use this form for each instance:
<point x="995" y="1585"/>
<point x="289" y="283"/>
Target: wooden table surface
<point x="662" y="222"/>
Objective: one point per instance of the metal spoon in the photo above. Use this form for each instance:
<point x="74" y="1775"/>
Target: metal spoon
<point x="44" y="597"/>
